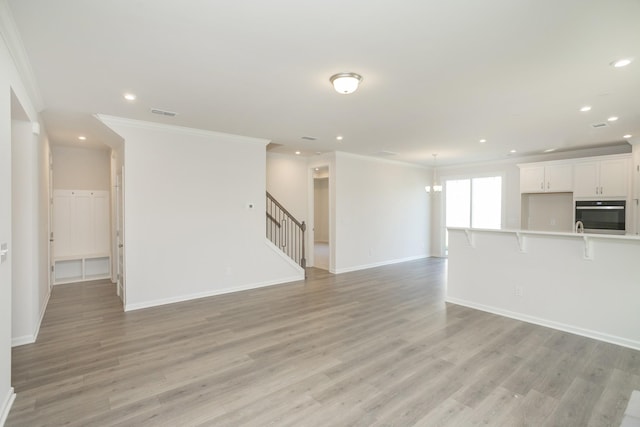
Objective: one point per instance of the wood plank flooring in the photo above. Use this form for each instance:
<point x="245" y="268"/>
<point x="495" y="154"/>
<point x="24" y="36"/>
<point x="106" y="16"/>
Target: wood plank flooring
<point x="377" y="347"/>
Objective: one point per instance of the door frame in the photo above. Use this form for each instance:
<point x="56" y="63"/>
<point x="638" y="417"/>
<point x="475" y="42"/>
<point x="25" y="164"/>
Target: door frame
<point x="311" y="215"/>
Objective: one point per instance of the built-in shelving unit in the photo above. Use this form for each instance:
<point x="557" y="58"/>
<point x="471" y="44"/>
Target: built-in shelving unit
<point x="81" y="236"/>
<point x="78" y="269"/>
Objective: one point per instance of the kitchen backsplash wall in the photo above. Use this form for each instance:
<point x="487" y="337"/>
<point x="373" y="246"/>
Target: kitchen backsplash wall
<point x="547" y="212"/>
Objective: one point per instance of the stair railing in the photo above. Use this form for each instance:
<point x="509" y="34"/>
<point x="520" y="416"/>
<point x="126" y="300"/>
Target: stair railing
<point x="285" y="231"/>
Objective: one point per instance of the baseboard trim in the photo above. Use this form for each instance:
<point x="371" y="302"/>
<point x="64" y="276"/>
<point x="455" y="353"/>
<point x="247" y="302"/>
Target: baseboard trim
<point x="189" y="297"/>
<point x="378" y="264"/>
<point x="30" y="339"/>
<point x="6" y="406"/>
<point x="600" y="336"/>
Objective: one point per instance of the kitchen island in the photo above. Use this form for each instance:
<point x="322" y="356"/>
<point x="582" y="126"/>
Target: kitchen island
<point x="587" y="284"/>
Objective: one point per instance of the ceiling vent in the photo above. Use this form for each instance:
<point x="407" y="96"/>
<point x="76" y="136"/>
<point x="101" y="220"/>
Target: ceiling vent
<point x="163" y="112"/>
<point x="309" y="138"/>
<point x="599" y="125"/>
<point x="385" y="153"/>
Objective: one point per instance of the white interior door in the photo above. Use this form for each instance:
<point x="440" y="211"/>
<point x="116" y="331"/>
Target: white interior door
<point x="120" y="235"/>
<point x="51" y="237"/>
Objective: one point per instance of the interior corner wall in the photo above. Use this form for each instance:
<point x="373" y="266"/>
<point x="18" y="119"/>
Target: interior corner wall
<point x="77" y="168"/>
<point x="287" y="182"/>
<point x="382" y="212"/>
<point x="189" y="230"/>
<point x="24" y="230"/>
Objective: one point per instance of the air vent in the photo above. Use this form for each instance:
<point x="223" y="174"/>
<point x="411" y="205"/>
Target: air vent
<point x="163" y="112"/>
<point x="385" y="153"/>
<point x="599" y="125"/>
<point x="309" y="138"/>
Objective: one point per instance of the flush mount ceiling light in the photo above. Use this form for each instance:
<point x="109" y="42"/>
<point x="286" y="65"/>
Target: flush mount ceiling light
<point x="339" y="138"/>
<point x="612" y="119"/>
<point x="627" y="136"/>
<point x="82" y="138"/>
<point x="297" y="153"/>
<point x="345" y="83"/>
<point x="621" y="63"/>
<point x="586" y="108"/>
<point x="435" y="188"/>
<point x="482" y="141"/>
<point x="129" y="96"/>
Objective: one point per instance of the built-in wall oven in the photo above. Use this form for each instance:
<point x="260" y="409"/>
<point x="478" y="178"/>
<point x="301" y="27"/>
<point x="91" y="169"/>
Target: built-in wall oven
<point x="605" y="217"/>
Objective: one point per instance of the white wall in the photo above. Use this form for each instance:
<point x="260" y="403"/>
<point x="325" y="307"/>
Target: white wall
<point x="10" y="81"/>
<point x="287" y="182"/>
<point x="382" y="212"/>
<point x="189" y="231"/>
<point x="547" y="280"/>
<point x="81" y="168"/>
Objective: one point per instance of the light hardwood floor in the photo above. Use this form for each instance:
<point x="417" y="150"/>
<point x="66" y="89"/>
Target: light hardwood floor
<point x="373" y="347"/>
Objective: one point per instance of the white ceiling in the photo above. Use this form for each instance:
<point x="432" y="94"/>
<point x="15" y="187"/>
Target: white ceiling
<point x="438" y="75"/>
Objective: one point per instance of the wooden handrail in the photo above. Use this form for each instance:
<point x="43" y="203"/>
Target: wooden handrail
<point x="285" y="231"/>
<point x="295" y="221"/>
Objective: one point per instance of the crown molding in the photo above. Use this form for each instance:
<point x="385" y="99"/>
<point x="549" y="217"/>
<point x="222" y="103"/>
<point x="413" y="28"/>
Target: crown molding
<point x="161" y="127"/>
<point x="11" y="37"/>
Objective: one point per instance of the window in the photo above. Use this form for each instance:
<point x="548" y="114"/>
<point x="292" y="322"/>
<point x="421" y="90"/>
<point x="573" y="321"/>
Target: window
<point x="473" y="202"/>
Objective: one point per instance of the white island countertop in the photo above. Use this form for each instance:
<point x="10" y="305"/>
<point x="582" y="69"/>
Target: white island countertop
<point x="587" y="284"/>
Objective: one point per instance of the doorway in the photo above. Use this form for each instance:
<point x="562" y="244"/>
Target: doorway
<point x="321" y="240"/>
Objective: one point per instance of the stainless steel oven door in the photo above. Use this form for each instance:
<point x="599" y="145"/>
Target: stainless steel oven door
<point x="602" y="217"/>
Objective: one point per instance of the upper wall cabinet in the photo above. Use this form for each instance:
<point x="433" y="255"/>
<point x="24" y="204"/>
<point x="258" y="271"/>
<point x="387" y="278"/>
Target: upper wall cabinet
<point x="605" y="178"/>
<point x="546" y="179"/>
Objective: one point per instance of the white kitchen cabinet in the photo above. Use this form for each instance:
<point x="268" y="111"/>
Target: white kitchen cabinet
<point x="546" y="179"/>
<point x="606" y="178"/>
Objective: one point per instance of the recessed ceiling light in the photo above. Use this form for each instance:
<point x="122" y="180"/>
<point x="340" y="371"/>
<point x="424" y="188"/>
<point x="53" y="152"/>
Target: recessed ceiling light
<point x="317" y="169"/>
<point x="627" y="136"/>
<point x="621" y="63"/>
<point x="82" y="138"/>
<point x="612" y="119"/>
<point x="549" y="150"/>
<point x="586" y="108"/>
<point x="482" y="141"/>
<point x="339" y="137"/>
<point x="129" y="96"/>
<point x="513" y="151"/>
<point x="297" y="152"/>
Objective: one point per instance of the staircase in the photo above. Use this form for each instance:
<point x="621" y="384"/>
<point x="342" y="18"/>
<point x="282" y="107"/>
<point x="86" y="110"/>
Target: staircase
<point x="286" y="232"/>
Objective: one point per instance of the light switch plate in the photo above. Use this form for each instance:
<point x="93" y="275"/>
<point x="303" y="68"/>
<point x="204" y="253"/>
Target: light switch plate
<point x="4" y="250"/>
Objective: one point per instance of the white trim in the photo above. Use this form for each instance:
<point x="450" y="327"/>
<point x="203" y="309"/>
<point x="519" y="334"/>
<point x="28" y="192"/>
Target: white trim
<point x="15" y="45"/>
<point x="612" y="339"/>
<point x="30" y="339"/>
<point x="378" y="264"/>
<point x="6" y="406"/>
<point x="384" y="160"/>
<point x="284" y="256"/>
<point x="112" y="120"/>
<point x="181" y="298"/>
